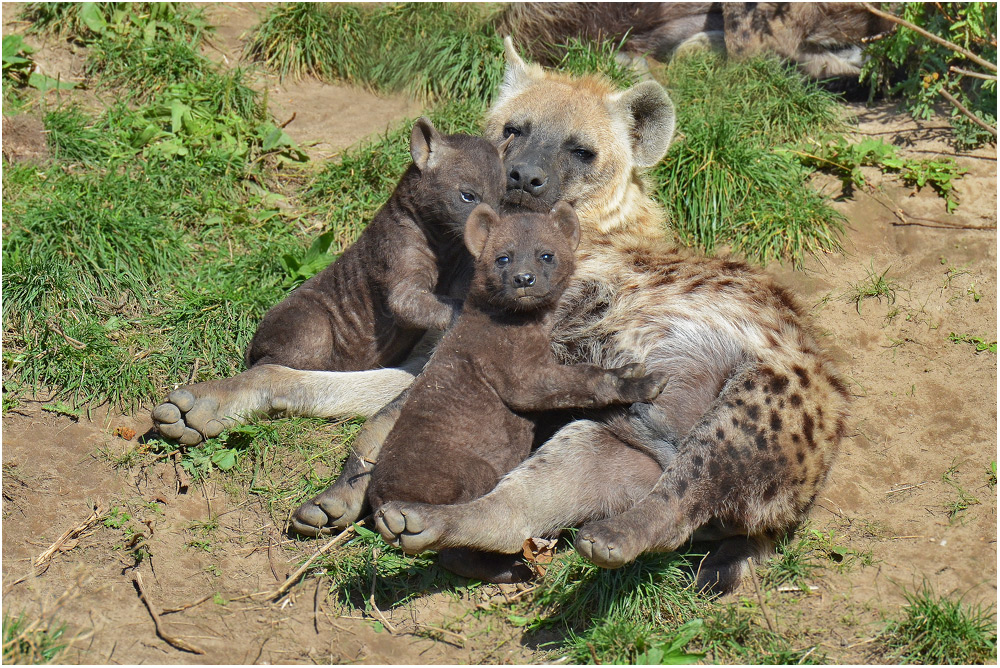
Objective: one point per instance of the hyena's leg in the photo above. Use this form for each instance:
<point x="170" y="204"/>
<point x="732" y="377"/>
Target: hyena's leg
<point x="344" y="501"/>
<point x="203" y="410"/>
<point x="754" y="464"/>
<point x="582" y="473"/>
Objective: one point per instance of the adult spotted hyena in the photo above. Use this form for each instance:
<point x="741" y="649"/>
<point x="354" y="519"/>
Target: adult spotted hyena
<point x="740" y="440"/>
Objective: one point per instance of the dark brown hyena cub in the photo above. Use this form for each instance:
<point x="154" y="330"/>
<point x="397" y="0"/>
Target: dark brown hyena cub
<point x="467" y="420"/>
<point x="370" y="307"/>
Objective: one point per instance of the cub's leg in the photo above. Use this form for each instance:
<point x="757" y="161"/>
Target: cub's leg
<point x="203" y="410"/>
<point x="584" y="472"/>
<point x="754" y="464"/>
<point x="344" y="502"/>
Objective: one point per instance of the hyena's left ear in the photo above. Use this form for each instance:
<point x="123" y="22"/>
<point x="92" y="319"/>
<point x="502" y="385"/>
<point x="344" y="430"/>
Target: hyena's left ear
<point x="477" y="228"/>
<point x="519" y="74"/>
<point x="649" y="112"/>
<point x="566" y="220"/>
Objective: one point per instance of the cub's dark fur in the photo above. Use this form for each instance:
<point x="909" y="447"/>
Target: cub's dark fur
<point x="464" y="424"/>
<point x="370" y="307"/>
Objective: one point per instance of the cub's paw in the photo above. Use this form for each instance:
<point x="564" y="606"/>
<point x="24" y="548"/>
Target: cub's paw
<point x="409" y="526"/>
<point x="605" y="545"/>
<point x="334" y="509"/>
<point x="633" y="370"/>
<point x="644" y="388"/>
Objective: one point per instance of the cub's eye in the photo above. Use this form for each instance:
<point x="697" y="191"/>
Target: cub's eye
<point x="510" y="130"/>
<point x="469" y="197"/>
<point x="548" y="257"/>
<point x="503" y="261"/>
<point x="583" y="154"/>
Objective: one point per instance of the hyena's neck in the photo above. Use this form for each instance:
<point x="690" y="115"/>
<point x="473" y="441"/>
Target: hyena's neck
<point x="625" y="211"/>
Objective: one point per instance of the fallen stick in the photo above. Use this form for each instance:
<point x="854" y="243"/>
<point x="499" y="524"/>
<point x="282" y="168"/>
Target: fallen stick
<point x="968" y="114"/>
<point x="170" y="640"/>
<point x="772" y="627"/>
<point x="294" y="577"/>
<point x="41" y="562"/>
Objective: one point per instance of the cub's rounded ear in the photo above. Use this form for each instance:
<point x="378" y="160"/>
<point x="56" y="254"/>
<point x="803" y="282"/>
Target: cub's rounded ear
<point x="426" y="145"/>
<point x="567" y="222"/>
<point x="647" y="109"/>
<point x="477" y="228"/>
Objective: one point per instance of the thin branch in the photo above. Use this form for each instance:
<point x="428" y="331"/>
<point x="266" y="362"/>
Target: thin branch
<point x="970" y="73"/>
<point x="170" y="640"/>
<point x="968" y="114"/>
<point x="294" y="577"/>
<point x="931" y="36"/>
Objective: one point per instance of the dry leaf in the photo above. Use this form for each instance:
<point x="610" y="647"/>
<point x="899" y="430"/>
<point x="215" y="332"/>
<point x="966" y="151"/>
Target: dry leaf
<point x="538" y="552"/>
<point x="125" y="432"/>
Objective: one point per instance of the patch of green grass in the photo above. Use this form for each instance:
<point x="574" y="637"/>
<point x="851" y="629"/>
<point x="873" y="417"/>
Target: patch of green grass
<point x="32" y="642"/>
<point x="723" y="181"/>
<point x="939" y="630"/>
<point x="801" y="558"/>
<point x="964" y="501"/>
<point x="87" y="21"/>
<point x="991" y="474"/>
<point x="646" y="612"/>
<point x="982" y="344"/>
<point x="430" y="50"/>
<point x="367" y="567"/>
<point x="873" y="286"/>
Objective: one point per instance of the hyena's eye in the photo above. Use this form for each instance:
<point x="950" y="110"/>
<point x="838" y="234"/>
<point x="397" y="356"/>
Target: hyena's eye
<point x="548" y="257"/>
<point x="583" y="154"/>
<point x="503" y="261"/>
<point x="510" y="130"/>
<point x="469" y="197"/>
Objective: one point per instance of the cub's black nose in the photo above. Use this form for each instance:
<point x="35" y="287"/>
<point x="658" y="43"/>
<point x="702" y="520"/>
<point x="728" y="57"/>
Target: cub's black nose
<point x="524" y="280"/>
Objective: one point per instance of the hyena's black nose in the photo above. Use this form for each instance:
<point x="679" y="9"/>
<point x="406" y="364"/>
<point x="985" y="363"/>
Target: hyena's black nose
<point x="524" y="280"/>
<point x="529" y="178"/>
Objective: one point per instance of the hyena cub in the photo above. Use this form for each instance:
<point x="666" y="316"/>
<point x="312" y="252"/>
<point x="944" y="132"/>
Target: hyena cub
<point x="469" y="418"/>
<point x="369" y="308"/>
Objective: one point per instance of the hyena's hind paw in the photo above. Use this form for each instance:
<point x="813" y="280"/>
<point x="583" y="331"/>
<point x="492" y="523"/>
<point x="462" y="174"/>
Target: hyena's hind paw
<point x="188" y="419"/>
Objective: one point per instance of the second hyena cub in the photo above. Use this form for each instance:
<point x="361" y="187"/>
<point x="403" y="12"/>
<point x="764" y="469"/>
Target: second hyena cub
<point x="398" y="279"/>
<point x="468" y="419"/>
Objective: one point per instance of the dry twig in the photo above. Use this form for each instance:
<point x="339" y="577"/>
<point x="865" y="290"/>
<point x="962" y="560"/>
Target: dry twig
<point x="62" y="544"/>
<point x="339" y="539"/>
<point x="968" y="114"/>
<point x="771" y="626"/>
<point x="170" y="640"/>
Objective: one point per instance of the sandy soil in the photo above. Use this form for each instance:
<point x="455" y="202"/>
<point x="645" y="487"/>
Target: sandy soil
<point x="925" y="409"/>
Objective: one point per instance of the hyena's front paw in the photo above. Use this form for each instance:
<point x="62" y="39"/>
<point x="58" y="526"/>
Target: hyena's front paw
<point x="606" y="545"/>
<point x="409" y="526"/>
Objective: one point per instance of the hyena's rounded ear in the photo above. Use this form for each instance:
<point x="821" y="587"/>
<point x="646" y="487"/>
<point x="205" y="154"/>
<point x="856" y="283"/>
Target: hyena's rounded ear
<point x="426" y="144"/>
<point x="566" y="220"/>
<point x="477" y="228"/>
<point x="650" y="113"/>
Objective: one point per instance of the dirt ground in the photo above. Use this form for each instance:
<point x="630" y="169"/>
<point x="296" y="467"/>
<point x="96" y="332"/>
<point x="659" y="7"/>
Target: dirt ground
<point x="922" y="437"/>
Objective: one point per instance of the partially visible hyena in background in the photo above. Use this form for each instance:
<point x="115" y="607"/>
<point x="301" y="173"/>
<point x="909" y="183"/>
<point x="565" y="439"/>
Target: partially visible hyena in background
<point x="740" y="440"/>
<point x="823" y="38"/>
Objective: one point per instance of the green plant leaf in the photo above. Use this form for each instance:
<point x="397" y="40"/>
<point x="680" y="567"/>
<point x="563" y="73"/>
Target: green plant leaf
<point x="91" y="16"/>
<point x="46" y="83"/>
